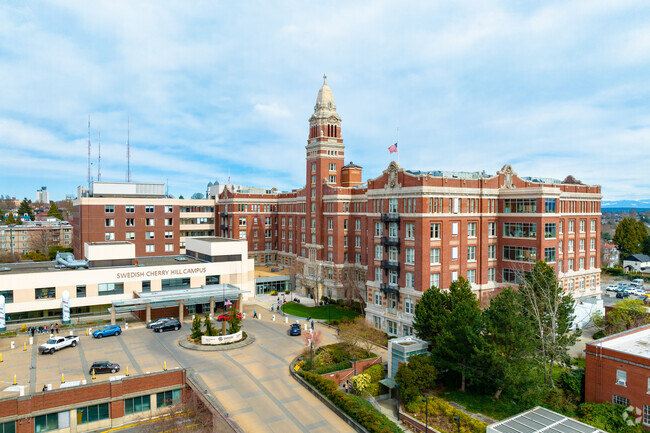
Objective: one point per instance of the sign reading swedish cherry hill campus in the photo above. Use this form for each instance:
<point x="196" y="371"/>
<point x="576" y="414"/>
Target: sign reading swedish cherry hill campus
<point x="162" y="273"/>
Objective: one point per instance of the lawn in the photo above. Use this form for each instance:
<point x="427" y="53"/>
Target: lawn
<point x="331" y="312"/>
<point x="495" y="409"/>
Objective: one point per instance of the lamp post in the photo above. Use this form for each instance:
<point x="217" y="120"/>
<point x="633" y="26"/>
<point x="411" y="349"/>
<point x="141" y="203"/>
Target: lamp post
<point x="354" y="364"/>
<point x="426" y="415"/>
<point x="397" y="388"/>
<point x="457" y="419"/>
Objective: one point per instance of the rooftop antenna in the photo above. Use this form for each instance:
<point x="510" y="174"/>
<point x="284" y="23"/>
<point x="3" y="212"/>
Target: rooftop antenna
<point x="90" y="179"/>
<point x="128" y="150"/>
<point x="99" y="156"/>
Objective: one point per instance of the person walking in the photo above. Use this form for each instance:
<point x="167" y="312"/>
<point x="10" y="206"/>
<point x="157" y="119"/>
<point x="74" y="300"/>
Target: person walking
<point x="56" y="327"/>
<point x="254" y="314"/>
<point x="272" y="308"/>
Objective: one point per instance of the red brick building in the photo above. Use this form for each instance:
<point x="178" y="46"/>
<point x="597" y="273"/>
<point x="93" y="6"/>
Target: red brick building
<point x="618" y="370"/>
<point x="139" y="213"/>
<point x="389" y="239"/>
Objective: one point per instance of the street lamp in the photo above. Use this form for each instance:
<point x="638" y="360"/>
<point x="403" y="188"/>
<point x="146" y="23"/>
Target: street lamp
<point x="398" y="408"/>
<point x="457" y="419"/>
<point x="354" y="363"/>
<point x="426" y="415"/>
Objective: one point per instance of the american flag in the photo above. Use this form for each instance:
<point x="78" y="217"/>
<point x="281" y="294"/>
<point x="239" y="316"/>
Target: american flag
<point x="227" y="302"/>
<point x="393" y="148"/>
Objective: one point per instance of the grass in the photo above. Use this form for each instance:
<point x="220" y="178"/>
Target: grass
<point x="321" y="313"/>
<point x="484" y="404"/>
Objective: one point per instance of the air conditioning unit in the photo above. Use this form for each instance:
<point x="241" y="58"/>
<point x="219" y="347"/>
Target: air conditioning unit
<point x="621" y="382"/>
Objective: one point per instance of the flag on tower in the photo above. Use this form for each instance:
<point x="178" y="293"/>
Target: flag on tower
<point x="393" y="148"/>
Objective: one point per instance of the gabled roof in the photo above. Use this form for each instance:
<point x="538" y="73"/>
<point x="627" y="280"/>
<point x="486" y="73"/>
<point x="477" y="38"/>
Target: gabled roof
<point x="638" y="258"/>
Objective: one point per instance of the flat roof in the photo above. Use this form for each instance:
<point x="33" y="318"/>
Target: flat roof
<point x="634" y="343"/>
<point x="34" y="267"/>
<point x="170" y="298"/>
<point x="540" y="419"/>
<point x="110" y="243"/>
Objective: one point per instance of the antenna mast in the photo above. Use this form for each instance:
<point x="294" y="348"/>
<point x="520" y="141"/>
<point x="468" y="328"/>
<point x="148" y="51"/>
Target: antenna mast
<point x="99" y="157"/>
<point x="128" y="150"/>
<point x="89" y="174"/>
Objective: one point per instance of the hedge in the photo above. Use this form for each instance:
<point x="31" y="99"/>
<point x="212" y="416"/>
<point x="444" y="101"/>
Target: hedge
<point x="334" y="367"/>
<point x="441" y="408"/>
<point x="356" y="407"/>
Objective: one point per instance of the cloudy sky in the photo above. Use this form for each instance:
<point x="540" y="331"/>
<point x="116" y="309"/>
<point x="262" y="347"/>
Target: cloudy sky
<point x="211" y="88"/>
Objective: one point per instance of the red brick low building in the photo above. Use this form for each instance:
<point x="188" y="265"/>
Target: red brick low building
<point x="618" y="370"/>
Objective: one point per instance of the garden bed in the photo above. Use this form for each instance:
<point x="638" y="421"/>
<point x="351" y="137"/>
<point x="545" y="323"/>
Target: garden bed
<point x="333" y="313"/>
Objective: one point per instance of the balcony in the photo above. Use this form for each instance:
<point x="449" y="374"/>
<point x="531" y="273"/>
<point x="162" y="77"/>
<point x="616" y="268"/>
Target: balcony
<point x="390" y="265"/>
<point x="390" y="217"/>
<point x="390" y="241"/>
<point x="390" y="289"/>
<point x="224" y="227"/>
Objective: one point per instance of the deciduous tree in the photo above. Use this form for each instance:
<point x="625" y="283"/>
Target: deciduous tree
<point x="627" y="314"/>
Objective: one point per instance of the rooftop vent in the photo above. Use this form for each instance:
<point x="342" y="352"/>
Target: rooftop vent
<point x="181" y="259"/>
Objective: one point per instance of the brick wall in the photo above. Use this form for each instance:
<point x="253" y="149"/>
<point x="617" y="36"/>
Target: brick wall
<point x="342" y="375"/>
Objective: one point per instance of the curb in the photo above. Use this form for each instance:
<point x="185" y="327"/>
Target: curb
<point x="250" y="339"/>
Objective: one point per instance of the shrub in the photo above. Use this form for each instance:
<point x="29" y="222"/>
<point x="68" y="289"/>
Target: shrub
<point x="607" y="417"/>
<point x="599" y="334"/>
<point x="413" y="406"/>
<point x="273" y="293"/>
<point x="376" y="372"/>
<point x="415" y="377"/>
<point x="333" y="367"/>
<point x="572" y="381"/>
<point x="441" y="408"/>
<point x="360" y="382"/>
<point x="376" y="388"/>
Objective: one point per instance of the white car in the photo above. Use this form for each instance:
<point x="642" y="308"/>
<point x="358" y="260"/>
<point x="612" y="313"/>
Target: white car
<point x="611" y="288"/>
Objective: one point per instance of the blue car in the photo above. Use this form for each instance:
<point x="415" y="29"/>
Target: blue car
<point x="107" y="331"/>
<point x="294" y="329"/>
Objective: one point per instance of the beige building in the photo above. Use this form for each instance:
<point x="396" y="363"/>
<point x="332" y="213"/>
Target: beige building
<point x="111" y="272"/>
<point x="35" y="236"/>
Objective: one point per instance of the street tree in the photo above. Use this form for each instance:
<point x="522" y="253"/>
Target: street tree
<point x="456" y="346"/>
<point x="25" y="209"/>
<point x="630" y="235"/>
<point x="508" y="347"/>
<point x="54" y="211"/>
<point x="627" y="314"/>
<point x="431" y="316"/>
<point x="551" y="311"/>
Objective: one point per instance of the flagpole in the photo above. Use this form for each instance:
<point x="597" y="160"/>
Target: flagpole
<point x="398" y="145"/>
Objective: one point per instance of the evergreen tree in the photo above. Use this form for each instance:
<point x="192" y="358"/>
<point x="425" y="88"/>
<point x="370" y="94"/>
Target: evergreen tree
<point x="196" y="327"/>
<point x="235" y="323"/>
<point x="550" y="310"/>
<point x="431" y="316"/>
<point x="24" y="208"/>
<point x="54" y="211"/>
<point x="629" y="236"/>
<point x="461" y="336"/>
<point x="10" y="219"/>
<point x="209" y="329"/>
<point x="504" y="360"/>
<point x="415" y="377"/>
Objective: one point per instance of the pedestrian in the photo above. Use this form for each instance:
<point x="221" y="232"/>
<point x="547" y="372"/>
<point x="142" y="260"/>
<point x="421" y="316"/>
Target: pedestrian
<point x="254" y="314"/>
<point x="271" y="308"/>
<point x="56" y="327"/>
<point x="309" y="318"/>
<point x="345" y="387"/>
<point x="338" y="332"/>
<point x="44" y="388"/>
<point x="312" y="325"/>
<point x="52" y="328"/>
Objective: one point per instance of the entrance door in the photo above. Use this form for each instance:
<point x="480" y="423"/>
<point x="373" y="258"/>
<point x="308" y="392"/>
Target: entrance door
<point x="199" y="308"/>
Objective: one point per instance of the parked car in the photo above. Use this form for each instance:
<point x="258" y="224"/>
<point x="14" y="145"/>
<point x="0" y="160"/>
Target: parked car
<point x="638" y="291"/>
<point x="227" y="317"/>
<point x="637" y="282"/>
<point x="294" y="329"/>
<point x="622" y="294"/>
<point x="104" y="367"/>
<point x="107" y="331"/>
<point x="611" y="288"/>
<point x="157" y="322"/>
<point x="58" y="343"/>
<point x="167" y="325"/>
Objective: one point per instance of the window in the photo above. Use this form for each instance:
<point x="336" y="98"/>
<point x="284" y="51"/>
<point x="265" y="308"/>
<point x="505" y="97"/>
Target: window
<point x="137" y="404"/>
<point x="130" y="236"/>
<point x="454" y="229"/>
<point x="519" y="230"/>
<point x="571" y="226"/>
<point x="8" y="427"/>
<point x="168" y="398"/>
<point x="592" y="262"/>
<point x="646" y="415"/>
<point x="377" y="297"/>
<point x="471" y="230"/>
<point x="313" y="180"/>
<point x="560" y="227"/>
<point x="109" y="208"/>
<point x="149" y="235"/>
<point x="93" y="413"/>
<point x="435" y="256"/>
<point x="377" y="322"/>
<point x="169" y="209"/>
<point x="169" y="248"/>
<point x="110" y="236"/>
<point x="492" y="229"/>
<point x="332" y="178"/>
<point x="582" y="244"/>
<point x="519" y="254"/>
<point x="513" y="276"/>
<point x="454" y="276"/>
<point x="409" y="306"/>
<point x="170" y="221"/>
<point x="378" y="229"/>
<point x="357" y="224"/>
<point x="570" y="245"/>
<point x="410" y="231"/>
<point x="492" y="252"/>
<point x="392" y="230"/>
<point x="392" y="327"/>
<point x="378" y="275"/>
<point x="410" y="280"/>
<point x="149" y="248"/>
<point x="357" y="241"/>
<point x="492" y="274"/>
<point x="129" y="222"/>
<point x="345" y="241"/>
<point x="620" y="400"/>
<point x="379" y="252"/>
<point x="408" y="330"/>
<point x="9" y="296"/>
<point x="582" y="226"/>
<point x="471" y="275"/>
<point x="345" y="224"/>
<point x="109" y="222"/>
<point x="148" y="209"/>
<point x="593" y="226"/>
<point x="435" y="231"/>
<point x="570" y="265"/>
<point x="434" y="280"/>
<point x="549" y="205"/>
<point x="169" y="235"/>
<point x="81" y="291"/>
<point x="471" y="253"/>
<point x="332" y="166"/>
<point x="520" y="205"/>
<point x="549" y="230"/>
<point x="52" y="421"/>
<point x="392" y="205"/>
<point x="582" y="263"/>
<point x="592" y="244"/>
<point x="110" y="289"/>
<point x="454" y="253"/>
<point x="549" y="255"/>
<point x="149" y="222"/>
<point x="410" y="256"/>
<point x="146" y="286"/>
<point x="45" y="293"/>
<point x="357" y="258"/>
<point x="175" y="283"/>
<point x="129" y="209"/>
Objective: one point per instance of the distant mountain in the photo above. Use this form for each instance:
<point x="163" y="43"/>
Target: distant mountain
<point x="626" y="204"/>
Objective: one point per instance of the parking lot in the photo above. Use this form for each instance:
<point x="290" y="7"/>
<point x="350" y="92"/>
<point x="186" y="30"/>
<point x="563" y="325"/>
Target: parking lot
<point x="609" y="298"/>
<point x="252" y="383"/>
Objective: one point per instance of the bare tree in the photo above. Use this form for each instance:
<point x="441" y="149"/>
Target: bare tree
<point x="190" y="415"/>
<point x="41" y="240"/>
<point x="351" y="290"/>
